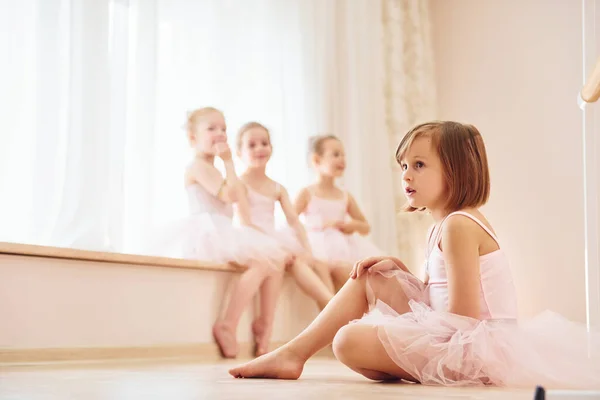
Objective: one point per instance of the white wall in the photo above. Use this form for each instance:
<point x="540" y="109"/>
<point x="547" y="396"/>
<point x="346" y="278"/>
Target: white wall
<point x="513" y="68"/>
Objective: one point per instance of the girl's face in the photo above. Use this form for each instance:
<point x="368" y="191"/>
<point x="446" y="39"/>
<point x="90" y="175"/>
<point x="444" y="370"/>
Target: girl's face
<point x="332" y="160"/>
<point x="255" y="147"/>
<point x="423" y="176"/>
<point x="209" y="130"/>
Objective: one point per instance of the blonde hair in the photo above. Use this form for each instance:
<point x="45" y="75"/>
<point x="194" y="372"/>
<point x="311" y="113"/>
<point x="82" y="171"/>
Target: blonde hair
<point x="463" y="158"/>
<point x="194" y="116"/>
<point x="245" y="128"/>
<point x="316" y="143"/>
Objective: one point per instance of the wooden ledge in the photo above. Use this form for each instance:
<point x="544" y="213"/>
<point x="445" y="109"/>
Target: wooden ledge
<point x="116" y="258"/>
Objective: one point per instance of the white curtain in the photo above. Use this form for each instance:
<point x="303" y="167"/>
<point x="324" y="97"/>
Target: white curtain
<point x="346" y="66"/>
<point x="55" y="139"/>
<point x="95" y="94"/>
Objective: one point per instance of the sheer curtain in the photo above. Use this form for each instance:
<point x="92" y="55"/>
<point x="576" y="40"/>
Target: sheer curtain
<point x="344" y="56"/>
<point x="95" y="94"/>
<point x="55" y="137"/>
<point x="245" y="58"/>
<point x="301" y="67"/>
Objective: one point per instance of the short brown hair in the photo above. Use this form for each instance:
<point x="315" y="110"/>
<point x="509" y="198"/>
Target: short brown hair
<point x="316" y="143"/>
<point x="464" y="161"/>
<point x="245" y="128"/>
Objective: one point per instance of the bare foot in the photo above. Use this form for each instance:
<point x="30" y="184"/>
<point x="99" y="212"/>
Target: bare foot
<point x="226" y="340"/>
<point x="261" y="338"/>
<point x="279" y="364"/>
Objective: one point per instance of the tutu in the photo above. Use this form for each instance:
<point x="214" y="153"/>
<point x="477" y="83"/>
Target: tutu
<point x="335" y="247"/>
<point x="288" y="240"/>
<point x="330" y="244"/>
<point x="209" y="234"/>
<point x="440" y="348"/>
<point x="214" y="238"/>
<point x="437" y="347"/>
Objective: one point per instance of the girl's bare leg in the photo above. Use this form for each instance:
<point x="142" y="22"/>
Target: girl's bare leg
<point x="348" y="304"/>
<point x="322" y="270"/>
<point x="262" y="326"/>
<point x="244" y="289"/>
<point x="310" y="283"/>
<point x="340" y="275"/>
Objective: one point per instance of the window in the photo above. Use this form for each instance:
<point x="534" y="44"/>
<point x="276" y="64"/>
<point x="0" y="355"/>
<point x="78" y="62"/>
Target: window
<point x="95" y="96"/>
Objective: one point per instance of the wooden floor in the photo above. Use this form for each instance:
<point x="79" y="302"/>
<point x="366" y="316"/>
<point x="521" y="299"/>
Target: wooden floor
<point x="322" y="379"/>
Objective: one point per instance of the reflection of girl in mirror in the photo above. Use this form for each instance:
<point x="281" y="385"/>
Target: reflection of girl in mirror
<point x="213" y="237"/>
<point x="331" y="215"/>
<point x="254" y="148"/>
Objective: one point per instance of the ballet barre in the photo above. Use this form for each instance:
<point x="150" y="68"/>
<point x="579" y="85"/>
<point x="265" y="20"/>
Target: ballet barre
<point x="590" y="93"/>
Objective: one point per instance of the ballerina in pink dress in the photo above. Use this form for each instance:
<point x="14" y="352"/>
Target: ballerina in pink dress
<point x="254" y="148"/>
<point x="459" y="326"/>
<point x="208" y="233"/>
<point x="335" y="224"/>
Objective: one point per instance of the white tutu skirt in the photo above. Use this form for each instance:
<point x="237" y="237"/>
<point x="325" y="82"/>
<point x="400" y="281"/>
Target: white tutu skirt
<point x="335" y="247"/>
<point x="287" y="239"/>
<point x="214" y="238"/>
<point x="440" y="348"/>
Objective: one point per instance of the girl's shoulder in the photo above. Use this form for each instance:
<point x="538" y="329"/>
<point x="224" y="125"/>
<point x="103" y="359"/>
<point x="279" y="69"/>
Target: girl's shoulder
<point x="307" y="190"/>
<point x="277" y="187"/>
<point x="469" y="219"/>
<point x="304" y="194"/>
<point x="469" y="225"/>
<point x="197" y="169"/>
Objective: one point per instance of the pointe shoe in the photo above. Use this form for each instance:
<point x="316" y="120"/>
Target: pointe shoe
<point x="225" y="341"/>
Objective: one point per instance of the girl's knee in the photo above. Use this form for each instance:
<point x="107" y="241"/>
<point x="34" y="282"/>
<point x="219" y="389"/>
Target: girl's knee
<point x="361" y="279"/>
<point x="345" y="344"/>
<point x="277" y="272"/>
<point x="340" y="275"/>
<point x="265" y="268"/>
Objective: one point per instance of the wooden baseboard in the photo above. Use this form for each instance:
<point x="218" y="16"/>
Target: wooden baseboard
<point x="200" y="352"/>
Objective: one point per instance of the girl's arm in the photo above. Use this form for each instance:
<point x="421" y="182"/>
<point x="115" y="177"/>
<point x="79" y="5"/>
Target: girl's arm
<point x="291" y="216"/>
<point x="358" y="223"/>
<point x="225" y="189"/>
<point x="301" y="201"/>
<point x="460" y="242"/>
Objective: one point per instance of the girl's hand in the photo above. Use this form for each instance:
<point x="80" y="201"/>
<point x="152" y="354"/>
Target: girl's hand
<point x="223" y="151"/>
<point x="344" y="227"/>
<point x="377" y="264"/>
<point x="341" y="226"/>
<point x="329" y="225"/>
